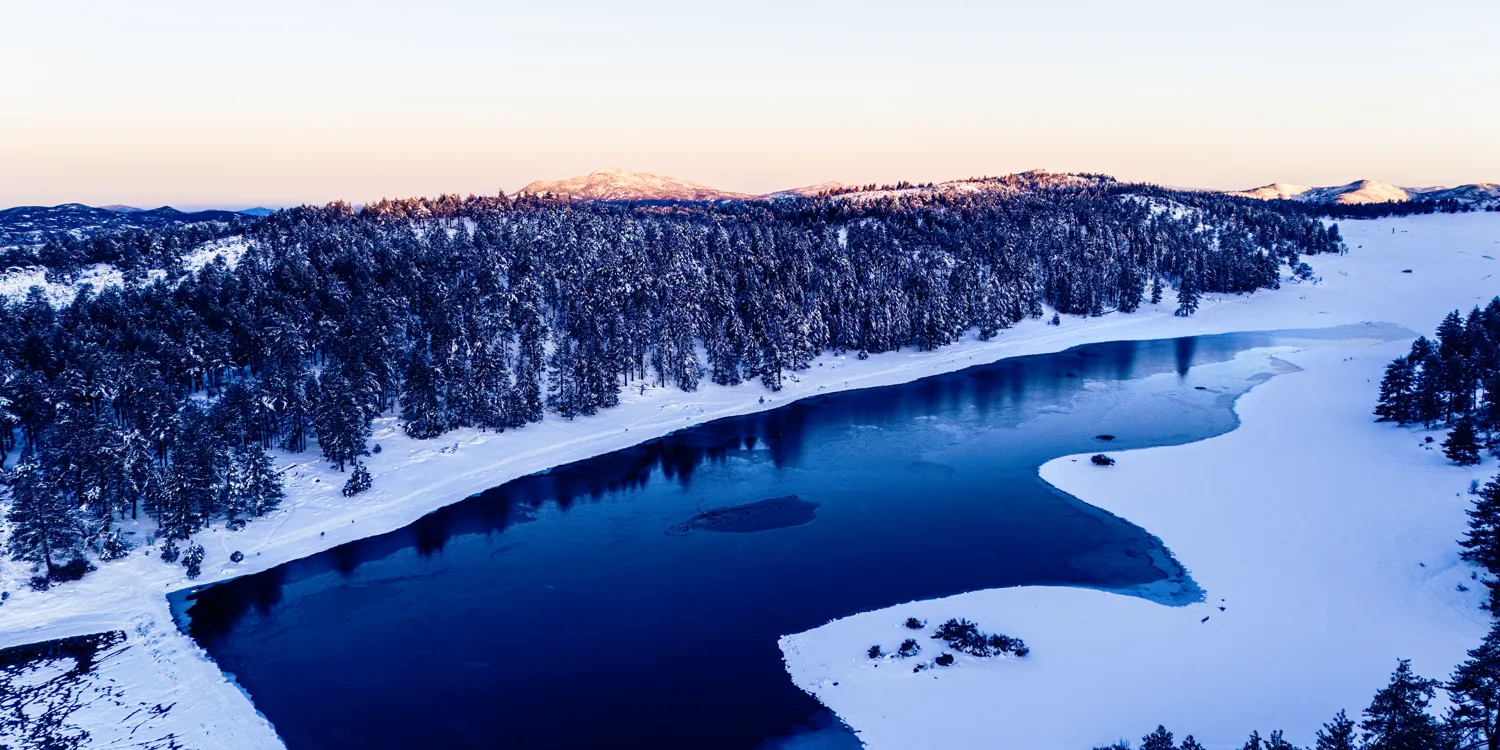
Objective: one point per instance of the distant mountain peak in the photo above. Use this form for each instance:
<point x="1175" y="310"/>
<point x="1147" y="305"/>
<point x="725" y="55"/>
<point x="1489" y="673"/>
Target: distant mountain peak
<point x="615" y="184"/>
<point x="1479" y="195"/>
<point x="1273" y="191"/>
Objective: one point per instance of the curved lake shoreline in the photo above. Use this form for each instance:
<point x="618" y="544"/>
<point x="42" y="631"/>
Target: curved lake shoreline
<point x="777" y="448"/>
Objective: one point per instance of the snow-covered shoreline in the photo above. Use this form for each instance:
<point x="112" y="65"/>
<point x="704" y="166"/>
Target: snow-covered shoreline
<point x="130" y="594"/>
<point x="1326" y="538"/>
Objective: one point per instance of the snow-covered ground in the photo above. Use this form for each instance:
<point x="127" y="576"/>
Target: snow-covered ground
<point x="1325" y="543"/>
<point x="1448" y="256"/>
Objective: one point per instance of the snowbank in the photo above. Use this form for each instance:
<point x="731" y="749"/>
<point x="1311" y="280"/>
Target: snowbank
<point x="1447" y="253"/>
<point x="1326" y="539"/>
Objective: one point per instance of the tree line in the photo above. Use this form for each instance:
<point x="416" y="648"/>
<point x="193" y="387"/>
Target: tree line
<point x="1452" y="382"/>
<point x="1414" y="207"/>
<point x="163" y="396"/>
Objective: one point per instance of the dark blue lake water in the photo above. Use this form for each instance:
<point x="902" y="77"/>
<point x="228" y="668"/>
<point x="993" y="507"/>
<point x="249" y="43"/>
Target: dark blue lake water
<point x="611" y="603"/>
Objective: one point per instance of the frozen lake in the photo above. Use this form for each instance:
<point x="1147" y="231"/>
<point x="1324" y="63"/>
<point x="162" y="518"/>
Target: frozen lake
<point x="636" y="598"/>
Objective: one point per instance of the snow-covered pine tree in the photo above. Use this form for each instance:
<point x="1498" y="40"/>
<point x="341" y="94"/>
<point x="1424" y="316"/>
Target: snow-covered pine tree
<point x="1187" y="292"/>
<point x="341" y="418"/>
<point x="255" y="486"/>
<point x="46" y="526"/>
<point x="192" y="559"/>
<point x="422" y="412"/>
<point x="359" y="480"/>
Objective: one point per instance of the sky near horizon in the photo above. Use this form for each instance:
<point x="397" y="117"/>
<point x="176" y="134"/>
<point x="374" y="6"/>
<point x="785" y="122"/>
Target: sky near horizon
<point x="277" y="103"/>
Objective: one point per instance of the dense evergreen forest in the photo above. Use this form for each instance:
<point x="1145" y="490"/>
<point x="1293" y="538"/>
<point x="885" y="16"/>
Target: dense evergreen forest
<point x="163" y="396"/>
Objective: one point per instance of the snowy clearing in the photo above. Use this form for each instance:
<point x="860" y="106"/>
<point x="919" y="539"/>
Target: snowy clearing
<point x="1448" y="254"/>
<point x="1327" y="539"/>
<point x="16" y="283"/>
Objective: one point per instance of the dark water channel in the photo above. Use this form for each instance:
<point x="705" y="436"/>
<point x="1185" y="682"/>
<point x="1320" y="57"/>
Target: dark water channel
<point x="635" y="599"/>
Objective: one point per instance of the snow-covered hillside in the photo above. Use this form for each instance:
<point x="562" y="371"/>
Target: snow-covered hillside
<point x="16" y="283"/>
<point x="1448" y="255"/>
<point x="1324" y="542"/>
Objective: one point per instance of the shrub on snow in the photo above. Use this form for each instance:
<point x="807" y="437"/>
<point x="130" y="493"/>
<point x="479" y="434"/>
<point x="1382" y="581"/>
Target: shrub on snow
<point x="359" y="481"/>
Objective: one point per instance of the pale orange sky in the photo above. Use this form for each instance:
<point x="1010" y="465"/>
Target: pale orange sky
<point x="276" y="103"/>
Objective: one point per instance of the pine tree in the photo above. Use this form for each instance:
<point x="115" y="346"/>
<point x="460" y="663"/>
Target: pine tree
<point x="1481" y="545"/>
<point x="422" y="414"/>
<point x="1278" y="742"/>
<point x="341" y="419"/>
<point x="1462" y="445"/>
<point x="1254" y="743"/>
<point x="1160" y="739"/>
<point x="194" y="482"/>
<point x="1473" y="719"/>
<point x="1187" y="292"/>
<point x="1396" y="392"/>
<point x="255" y="486"/>
<point x="192" y="559"/>
<point x="45" y="525"/>
<point x="359" y="480"/>
<point x="1397" y="718"/>
<point x="1488" y="414"/>
<point x="531" y="335"/>
<point x="1189" y="743"/>
<point x="1431" y="402"/>
<point x="1338" y="734"/>
<point x="1450" y="336"/>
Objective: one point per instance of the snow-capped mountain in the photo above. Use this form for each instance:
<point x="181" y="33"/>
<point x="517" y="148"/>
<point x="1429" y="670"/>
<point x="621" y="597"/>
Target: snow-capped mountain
<point x="611" y="184"/>
<point x="619" y="185"/>
<point x="27" y="225"/>
<point x="1480" y="196"/>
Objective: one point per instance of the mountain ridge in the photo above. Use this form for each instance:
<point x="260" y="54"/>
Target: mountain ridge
<point x="614" y="184"/>
<point x="1482" y="195"/>
<point x="31" y="225"/>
